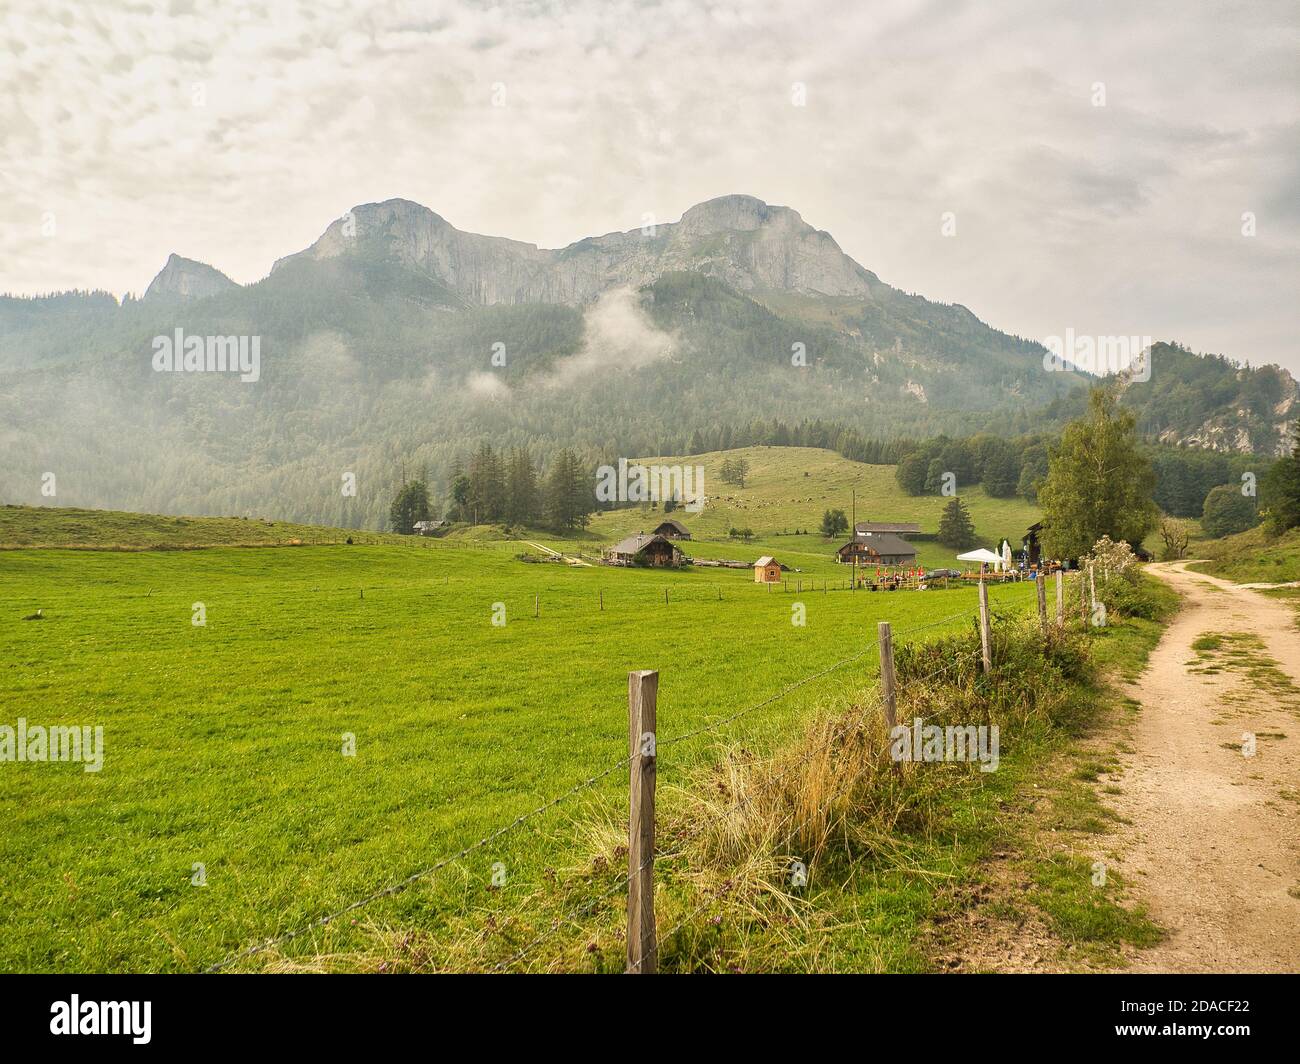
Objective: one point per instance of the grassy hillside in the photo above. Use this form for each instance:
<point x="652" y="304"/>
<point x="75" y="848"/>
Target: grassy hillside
<point x="1251" y="557"/>
<point x="50" y="526"/>
<point x="788" y="489"/>
<point x="223" y="742"/>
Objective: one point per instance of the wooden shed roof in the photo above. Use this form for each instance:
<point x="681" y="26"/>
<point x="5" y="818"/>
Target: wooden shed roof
<point x="676" y="525"/>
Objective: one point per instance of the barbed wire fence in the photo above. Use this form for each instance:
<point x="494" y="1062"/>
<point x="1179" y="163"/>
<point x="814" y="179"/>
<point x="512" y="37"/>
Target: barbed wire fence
<point x="637" y="760"/>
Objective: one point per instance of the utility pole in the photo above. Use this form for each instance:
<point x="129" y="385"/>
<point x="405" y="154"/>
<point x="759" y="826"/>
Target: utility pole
<point x="853" y="537"/>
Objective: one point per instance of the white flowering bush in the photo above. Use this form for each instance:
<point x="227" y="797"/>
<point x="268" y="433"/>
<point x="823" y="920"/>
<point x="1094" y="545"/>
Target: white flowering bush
<point x="1111" y="558"/>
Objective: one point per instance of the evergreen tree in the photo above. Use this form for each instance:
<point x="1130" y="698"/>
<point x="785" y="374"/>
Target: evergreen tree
<point x="834" y="523"/>
<point x="460" y="496"/>
<point x="521" y="489"/>
<point x="486" y="486"/>
<point x="956" y="529"/>
<point x="570" y="495"/>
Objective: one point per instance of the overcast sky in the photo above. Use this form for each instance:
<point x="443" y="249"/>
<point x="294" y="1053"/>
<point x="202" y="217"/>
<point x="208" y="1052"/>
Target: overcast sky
<point x="235" y="132"/>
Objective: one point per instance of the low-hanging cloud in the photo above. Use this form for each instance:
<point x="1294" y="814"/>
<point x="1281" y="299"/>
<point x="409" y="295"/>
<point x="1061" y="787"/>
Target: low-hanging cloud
<point x="617" y="335"/>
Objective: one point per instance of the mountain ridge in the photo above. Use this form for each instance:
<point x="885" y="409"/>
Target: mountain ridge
<point x="395" y="341"/>
<point x="741" y="239"/>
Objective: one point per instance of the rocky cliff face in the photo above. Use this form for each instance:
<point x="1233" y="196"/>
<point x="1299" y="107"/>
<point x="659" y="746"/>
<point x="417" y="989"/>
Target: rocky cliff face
<point x="186" y="279"/>
<point x="739" y="239"/>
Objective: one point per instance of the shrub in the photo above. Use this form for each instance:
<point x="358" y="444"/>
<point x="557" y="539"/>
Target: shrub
<point x="1227" y="512"/>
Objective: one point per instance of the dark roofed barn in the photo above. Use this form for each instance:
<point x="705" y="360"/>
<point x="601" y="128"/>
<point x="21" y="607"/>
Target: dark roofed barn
<point x="878" y="548"/>
<point x="644" y="549"/>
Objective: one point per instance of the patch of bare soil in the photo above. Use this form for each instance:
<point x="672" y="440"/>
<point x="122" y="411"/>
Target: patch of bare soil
<point x="991" y="932"/>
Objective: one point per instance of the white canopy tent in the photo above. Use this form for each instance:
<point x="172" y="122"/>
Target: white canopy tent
<point x="980" y="554"/>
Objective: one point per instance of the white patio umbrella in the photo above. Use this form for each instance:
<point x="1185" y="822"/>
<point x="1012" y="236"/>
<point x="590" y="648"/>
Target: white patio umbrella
<point x="980" y="554"/>
<point x="1006" y="554"/>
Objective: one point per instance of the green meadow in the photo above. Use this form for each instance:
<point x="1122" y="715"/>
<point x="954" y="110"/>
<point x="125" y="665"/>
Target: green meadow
<point x="41" y="526"/>
<point x="223" y="743"/>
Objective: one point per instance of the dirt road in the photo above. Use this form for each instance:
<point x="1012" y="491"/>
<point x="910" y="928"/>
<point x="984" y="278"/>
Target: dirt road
<point x="1213" y="843"/>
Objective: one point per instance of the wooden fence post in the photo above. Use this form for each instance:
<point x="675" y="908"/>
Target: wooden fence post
<point x="1092" y="586"/>
<point x="602" y="600"/>
<point x="1060" y="597"/>
<point x="887" y="688"/>
<point x="642" y="947"/>
<point x="1083" y="601"/>
<point x="986" y="632"/>
<point x="537" y="605"/>
<point x="1041" y="581"/>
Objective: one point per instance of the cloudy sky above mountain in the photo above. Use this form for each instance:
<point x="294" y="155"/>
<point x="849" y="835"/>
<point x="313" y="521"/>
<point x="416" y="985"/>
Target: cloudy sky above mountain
<point x="1097" y="158"/>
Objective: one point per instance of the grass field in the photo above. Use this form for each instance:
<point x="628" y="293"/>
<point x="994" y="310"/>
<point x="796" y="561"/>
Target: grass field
<point x="223" y="743"/>
<point x="39" y="526"/>
<point x="1251" y="557"/>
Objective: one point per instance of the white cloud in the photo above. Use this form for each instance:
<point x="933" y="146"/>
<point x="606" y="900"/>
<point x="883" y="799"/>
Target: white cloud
<point x="617" y="336"/>
<point x="486" y="386"/>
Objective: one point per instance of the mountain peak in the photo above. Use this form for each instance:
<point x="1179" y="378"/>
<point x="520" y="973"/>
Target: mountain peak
<point x="183" y="278"/>
<point x="738" y="213"/>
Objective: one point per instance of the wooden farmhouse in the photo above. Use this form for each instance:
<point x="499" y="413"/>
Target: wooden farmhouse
<point x="877" y="548"/>
<point x="645" y="549"/>
<point x="671" y="529"/>
<point x="767" y="570"/>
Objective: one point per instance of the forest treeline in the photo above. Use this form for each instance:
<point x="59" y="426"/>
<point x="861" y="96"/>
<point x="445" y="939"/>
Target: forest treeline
<point x="515" y="486"/>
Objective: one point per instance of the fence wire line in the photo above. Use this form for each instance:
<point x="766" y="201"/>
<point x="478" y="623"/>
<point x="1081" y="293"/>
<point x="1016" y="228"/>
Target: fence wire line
<point x="710" y="901"/>
<point x="402" y="884"/>
<point x="581" y="910"/>
<point x="578" y="911"/>
<point x="870" y="646"/>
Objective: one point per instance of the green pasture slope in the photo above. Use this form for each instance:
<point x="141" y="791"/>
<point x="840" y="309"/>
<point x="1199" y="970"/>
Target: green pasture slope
<point x="788" y="490"/>
<point x="41" y="526"/>
<point x="1251" y="557"/>
<point x="223" y="742"/>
